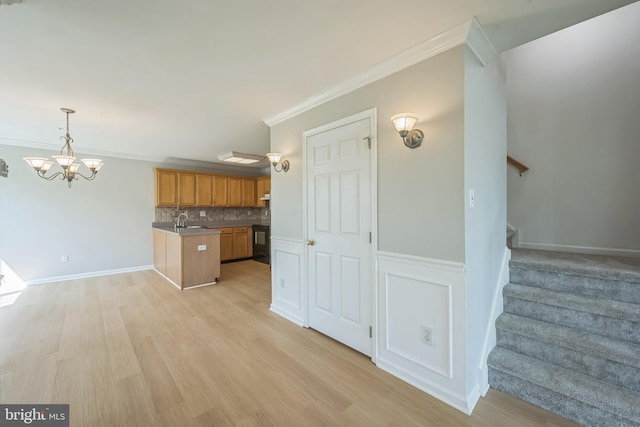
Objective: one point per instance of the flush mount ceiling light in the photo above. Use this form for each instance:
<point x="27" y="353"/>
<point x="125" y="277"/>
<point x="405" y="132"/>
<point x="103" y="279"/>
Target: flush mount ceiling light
<point x="240" y="158"/>
<point x="404" y="123"/>
<point x="276" y="158"/>
<point x="10" y="2"/>
<point x="65" y="159"/>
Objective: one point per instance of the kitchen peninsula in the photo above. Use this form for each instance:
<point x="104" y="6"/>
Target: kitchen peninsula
<point x="187" y="257"/>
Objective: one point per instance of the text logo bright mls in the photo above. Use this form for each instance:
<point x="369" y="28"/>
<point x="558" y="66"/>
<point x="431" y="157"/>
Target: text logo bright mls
<point x="34" y="415"/>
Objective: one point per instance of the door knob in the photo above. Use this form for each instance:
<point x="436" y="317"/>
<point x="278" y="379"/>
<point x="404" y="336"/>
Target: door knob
<point x="311" y="242"/>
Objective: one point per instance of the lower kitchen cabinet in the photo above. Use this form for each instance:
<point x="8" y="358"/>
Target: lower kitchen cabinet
<point x="235" y="243"/>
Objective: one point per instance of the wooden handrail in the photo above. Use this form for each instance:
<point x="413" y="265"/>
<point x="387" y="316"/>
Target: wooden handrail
<point x="521" y="167"/>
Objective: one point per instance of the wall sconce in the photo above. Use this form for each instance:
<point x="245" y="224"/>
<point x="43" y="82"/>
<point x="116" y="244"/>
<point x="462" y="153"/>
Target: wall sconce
<point x="275" y="158"/>
<point x="404" y="123"/>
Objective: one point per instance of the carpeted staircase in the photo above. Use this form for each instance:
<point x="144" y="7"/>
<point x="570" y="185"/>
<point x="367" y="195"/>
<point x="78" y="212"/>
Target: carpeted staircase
<point x="569" y="337"/>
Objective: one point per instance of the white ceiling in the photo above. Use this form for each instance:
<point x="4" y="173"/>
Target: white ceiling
<point x="192" y="79"/>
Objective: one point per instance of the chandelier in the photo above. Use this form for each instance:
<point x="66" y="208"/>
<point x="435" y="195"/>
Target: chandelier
<point x="65" y="160"/>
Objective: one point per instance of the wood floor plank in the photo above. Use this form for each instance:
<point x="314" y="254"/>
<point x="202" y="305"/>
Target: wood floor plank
<point x="132" y="350"/>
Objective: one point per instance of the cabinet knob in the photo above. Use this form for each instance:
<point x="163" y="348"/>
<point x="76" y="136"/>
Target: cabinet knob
<point x="311" y="242"/>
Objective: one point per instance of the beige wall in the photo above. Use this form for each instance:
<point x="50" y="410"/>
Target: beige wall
<point x="421" y="207"/>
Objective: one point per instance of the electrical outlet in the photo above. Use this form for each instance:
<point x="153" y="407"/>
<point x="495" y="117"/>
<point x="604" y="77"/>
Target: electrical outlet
<point x="203" y="214"/>
<point x="282" y="283"/>
<point x="427" y="336"/>
<point x="64" y="258"/>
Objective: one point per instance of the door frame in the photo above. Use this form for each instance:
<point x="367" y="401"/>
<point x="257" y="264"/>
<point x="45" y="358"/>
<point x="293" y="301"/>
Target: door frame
<point x="372" y="115"/>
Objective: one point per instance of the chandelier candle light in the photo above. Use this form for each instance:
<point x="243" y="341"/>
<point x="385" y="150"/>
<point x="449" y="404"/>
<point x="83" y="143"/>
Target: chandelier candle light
<point x="65" y="160"/>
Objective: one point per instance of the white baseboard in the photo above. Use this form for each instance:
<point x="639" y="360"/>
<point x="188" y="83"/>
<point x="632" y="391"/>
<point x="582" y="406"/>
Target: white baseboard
<point x="490" y="334"/>
<point x="635" y="253"/>
<point x="431" y="389"/>
<point x="290" y="317"/>
<point x="87" y="275"/>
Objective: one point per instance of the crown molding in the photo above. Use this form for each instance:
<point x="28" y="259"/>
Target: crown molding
<point x="479" y="43"/>
<point x="171" y="161"/>
<point x="468" y="32"/>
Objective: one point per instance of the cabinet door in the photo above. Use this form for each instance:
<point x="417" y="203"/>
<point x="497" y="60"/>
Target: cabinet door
<point x="166" y="187"/>
<point x="240" y="242"/>
<point x="248" y="192"/>
<point x="220" y="191"/>
<point x="226" y="244"/>
<point x="204" y="190"/>
<point x="186" y="189"/>
<point x="235" y="192"/>
<point x="263" y="187"/>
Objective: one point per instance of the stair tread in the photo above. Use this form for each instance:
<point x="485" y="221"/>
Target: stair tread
<point x="600" y="306"/>
<point x="600" y="266"/>
<point x="594" y="392"/>
<point x="601" y="346"/>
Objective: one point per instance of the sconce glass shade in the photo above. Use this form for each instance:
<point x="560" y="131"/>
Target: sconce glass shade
<point x="404" y="122"/>
<point x="274" y="158"/>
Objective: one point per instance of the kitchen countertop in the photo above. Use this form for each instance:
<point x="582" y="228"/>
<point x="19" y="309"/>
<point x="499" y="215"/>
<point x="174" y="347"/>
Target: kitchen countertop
<point x="205" y="227"/>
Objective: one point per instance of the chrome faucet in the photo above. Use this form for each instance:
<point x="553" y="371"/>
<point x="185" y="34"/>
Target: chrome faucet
<point x="181" y="223"/>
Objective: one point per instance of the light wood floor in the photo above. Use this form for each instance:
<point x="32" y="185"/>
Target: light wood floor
<point x="132" y="350"/>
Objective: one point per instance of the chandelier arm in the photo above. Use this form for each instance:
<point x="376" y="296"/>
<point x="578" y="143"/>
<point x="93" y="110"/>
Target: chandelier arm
<point x="51" y="177"/>
<point x="88" y="178"/>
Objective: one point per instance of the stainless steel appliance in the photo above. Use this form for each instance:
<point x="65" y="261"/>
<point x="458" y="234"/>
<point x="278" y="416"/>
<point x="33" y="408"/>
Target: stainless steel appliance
<point x="261" y="243"/>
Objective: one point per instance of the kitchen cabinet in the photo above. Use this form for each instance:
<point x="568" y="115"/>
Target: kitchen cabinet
<point x="248" y="192"/>
<point x="226" y="244"/>
<point x="242" y="247"/>
<point x="263" y="186"/>
<point x="235" y="192"/>
<point x="166" y="187"/>
<point x="187" y="260"/>
<point x="175" y="188"/>
<point x="204" y="190"/>
<point x="186" y="189"/>
<point x="220" y="190"/>
<point x="235" y="243"/>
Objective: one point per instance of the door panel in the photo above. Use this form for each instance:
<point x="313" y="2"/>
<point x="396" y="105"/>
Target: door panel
<point x="339" y="222"/>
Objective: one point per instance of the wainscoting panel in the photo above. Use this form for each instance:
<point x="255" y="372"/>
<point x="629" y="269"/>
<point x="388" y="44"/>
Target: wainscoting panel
<point x="421" y="324"/>
<point x="288" y="287"/>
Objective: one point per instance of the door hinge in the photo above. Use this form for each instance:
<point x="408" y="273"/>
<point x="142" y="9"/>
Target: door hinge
<point x="369" y="237"/>
<point x="370" y="331"/>
<point x="368" y="138"/>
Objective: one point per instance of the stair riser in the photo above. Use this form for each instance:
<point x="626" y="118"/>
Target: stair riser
<point x="581" y="285"/>
<point x="602" y="325"/>
<point x="577" y="411"/>
<point x="597" y="367"/>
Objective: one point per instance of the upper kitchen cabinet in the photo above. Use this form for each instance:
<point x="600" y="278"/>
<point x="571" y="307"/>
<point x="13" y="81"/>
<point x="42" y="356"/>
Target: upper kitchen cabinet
<point x="220" y="190"/>
<point x="235" y="192"/>
<point x="263" y="187"/>
<point x="204" y="190"/>
<point x="186" y="189"/>
<point x="248" y="192"/>
<point x="166" y="187"/>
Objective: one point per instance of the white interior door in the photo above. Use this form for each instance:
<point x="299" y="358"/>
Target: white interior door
<point x="339" y="221"/>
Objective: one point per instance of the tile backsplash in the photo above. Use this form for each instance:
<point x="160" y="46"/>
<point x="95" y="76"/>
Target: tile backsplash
<point x="261" y="215"/>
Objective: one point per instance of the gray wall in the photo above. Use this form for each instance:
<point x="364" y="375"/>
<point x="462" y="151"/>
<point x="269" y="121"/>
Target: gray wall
<point x="574" y="119"/>
<point x="101" y="225"/>
<point x="485" y="149"/>
<point x="419" y="191"/>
